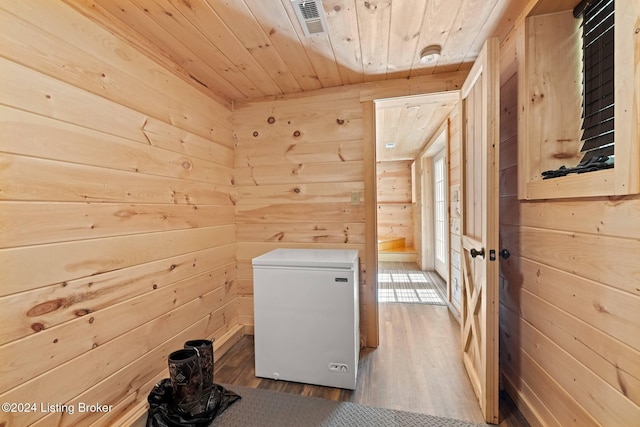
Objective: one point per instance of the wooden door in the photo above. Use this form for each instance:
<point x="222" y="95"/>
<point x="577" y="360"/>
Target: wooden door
<point x="479" y="220"/>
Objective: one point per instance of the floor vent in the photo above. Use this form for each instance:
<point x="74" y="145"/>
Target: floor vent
<point x="311" y="16"/>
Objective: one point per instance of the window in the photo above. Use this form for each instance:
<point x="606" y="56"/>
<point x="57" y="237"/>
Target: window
<point x="558" y="118"/>
<point x="598" y="78"/>
<point x="597" y="48"/>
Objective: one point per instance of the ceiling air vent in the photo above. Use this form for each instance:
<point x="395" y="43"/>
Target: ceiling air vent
<point x="311" y="16"/>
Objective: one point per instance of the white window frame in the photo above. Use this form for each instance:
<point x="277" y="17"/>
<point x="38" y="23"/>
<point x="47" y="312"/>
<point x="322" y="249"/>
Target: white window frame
<point x="440" y="215"/>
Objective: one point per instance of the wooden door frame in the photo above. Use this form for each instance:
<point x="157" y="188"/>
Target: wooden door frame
<point x="425" y="157"/>
<point x="369" y="302"/>
<point x="427" y="218"/>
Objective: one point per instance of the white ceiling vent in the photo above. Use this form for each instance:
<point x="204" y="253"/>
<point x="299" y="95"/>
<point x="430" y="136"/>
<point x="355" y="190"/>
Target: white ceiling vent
<point x="311" y="16"/>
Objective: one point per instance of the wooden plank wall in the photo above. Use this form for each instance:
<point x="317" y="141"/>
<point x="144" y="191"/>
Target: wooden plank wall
<point x="118" y="235"/>
<point x="395" y="210"/>
<point x="299" y="160"/>
<point x="455" y="177"/>
<point x="417" y="207"/>
<point x="569" y="298"/>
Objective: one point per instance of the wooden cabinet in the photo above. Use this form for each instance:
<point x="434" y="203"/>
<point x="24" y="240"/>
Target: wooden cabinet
<point x="550" y="104"/>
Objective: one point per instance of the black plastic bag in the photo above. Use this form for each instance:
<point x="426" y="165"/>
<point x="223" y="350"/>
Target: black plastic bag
<point x="163" y="412"/>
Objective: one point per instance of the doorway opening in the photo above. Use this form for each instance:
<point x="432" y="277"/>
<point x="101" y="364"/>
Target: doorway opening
<point x="412" y="197"/>
<point x="413" y="163"/>
<point x="476" y="117"/>
<point x="412" y="190"/>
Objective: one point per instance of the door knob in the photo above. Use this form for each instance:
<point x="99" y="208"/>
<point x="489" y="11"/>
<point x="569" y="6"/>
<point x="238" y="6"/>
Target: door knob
<point x="505" y="254"/>
<point x="475" y="253"/>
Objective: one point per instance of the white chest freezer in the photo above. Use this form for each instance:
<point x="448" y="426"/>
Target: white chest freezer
<point x="306" y="316"/>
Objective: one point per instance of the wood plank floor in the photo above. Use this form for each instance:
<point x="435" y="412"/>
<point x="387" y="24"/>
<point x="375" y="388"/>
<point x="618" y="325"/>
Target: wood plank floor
<point x="416" y="368"/>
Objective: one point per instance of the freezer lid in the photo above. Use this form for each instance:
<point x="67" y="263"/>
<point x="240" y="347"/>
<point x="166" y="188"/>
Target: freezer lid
<point x="324" y="258"/>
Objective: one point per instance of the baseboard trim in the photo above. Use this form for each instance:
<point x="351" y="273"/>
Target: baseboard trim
<point x="521" y="402"/>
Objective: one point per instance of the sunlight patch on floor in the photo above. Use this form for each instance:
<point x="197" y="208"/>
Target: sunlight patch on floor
<point x="403" y="287"/>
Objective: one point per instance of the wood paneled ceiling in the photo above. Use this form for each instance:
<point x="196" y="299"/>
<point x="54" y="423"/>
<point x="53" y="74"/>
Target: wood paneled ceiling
<point x="410" y="122"/>
<point x="247" y="49"/>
